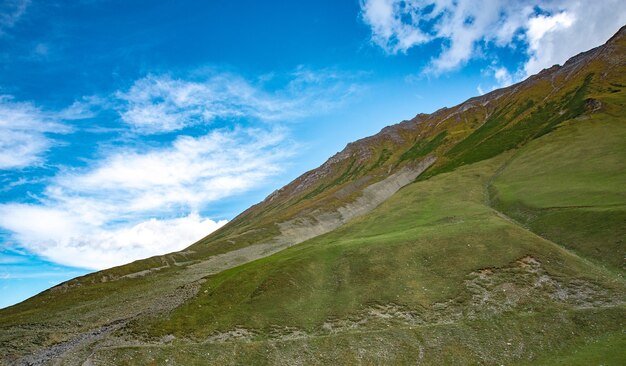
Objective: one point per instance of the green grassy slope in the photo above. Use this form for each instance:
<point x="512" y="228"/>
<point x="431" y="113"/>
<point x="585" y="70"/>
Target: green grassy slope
<point x="576" y="196"/>
<point x="508" y="250"/>
<point x="411" y="265"/>
<point x="478" y="129"/>
<point x="414" y="250"/>
<point x="473" y="131"/>
<point x="402" y="282"/>
<point x="609" y="349"/>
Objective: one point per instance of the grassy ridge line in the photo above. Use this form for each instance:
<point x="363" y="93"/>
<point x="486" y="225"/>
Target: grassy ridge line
<point x="512" y="104"/>
<point x="416" y="249"/>
<point x="526" y="114"/>
<point x="333" y="275"/>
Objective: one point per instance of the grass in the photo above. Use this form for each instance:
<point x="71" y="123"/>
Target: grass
<point x="576" y="196"/>
<point x="548" y="338"/>
<point x="502" y="132"/>
<point x="416" y="249"/>
<point x="422" y="148"/>
<point x="539" y="157"/>
<point x="606" y="350"/>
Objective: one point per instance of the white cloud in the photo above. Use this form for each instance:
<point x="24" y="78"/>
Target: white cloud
<point x="580" y="26"/>
<point x="65" y="238"/>
<point x="192" y="171"/>
<point x="137" y="201"/>
<point x="389" y="30"/>
<point x="86" y="107"/>
<point x="41" y="274"/>
<point x="23" y="129"/>
<point x="10" y="12"/>
<point x="480" y="90"/>
<point x="398" y="25"/>
<point x="161" y="103"/>
<point x="560" y="30"/>
<point x="503" y="77"/>
<point x="125" y="206"/>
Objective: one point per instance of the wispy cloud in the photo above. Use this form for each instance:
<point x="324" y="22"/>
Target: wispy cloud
<point x="190" y="171"/>
<point x="10" y="12"/>
<point x="133" y="204"/>
<point x="552" y="30"/>
<point x="161" y="103"/>
<point x="84" y="108"/>
<point x="138" y="199"/>
<point x="24" y="130"/>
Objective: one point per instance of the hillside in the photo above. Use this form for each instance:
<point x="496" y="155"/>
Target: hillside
<point x="491" y="232"/>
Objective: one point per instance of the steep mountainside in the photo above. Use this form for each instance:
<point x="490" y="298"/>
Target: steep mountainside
<point x="491" y="232"/>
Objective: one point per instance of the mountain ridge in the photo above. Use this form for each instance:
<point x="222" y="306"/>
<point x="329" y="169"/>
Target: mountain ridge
<point x="435" y="227"/>
<point x="391" y="132"/>
<point x="398" y="133"/>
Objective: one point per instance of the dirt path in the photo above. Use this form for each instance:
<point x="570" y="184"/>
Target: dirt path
<point x="59" y="351"/>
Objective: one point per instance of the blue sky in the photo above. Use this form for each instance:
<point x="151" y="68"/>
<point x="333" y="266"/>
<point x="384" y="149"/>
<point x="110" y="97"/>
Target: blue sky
<point x="133" y="128"/>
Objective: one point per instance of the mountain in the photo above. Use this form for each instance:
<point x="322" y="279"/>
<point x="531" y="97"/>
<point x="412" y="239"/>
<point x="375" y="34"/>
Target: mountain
<point x="491" y="232"/>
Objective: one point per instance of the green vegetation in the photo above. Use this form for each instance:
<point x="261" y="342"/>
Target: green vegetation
<point x="577" y="195"/>
<point x="495" y="342"/>
<point x="435" y="231"/>
<point x="608" y="350"/>
<point x="509" y="250"/>
<point x="384" y="156"/>
<point x="501" y="132"/>
<point x="350" y="172"/>
<point x="422" y="148"/>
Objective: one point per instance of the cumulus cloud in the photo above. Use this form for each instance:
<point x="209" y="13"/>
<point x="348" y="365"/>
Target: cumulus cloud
<point x="160" y="103"/>
<point x="122" y="208"/>
<point x="552" y="30"/>
<point x="580" y="26"/>
<point x="24" y="130"/>
<point x="400" y="25"/>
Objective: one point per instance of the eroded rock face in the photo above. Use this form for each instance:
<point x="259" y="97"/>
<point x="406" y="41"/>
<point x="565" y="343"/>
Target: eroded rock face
<point x="306" y="226"/>
<point x="527" y="283"/>
<point x="361" y="151"/>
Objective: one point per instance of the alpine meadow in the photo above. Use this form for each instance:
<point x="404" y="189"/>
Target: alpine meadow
<point x="491" y="232"/>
